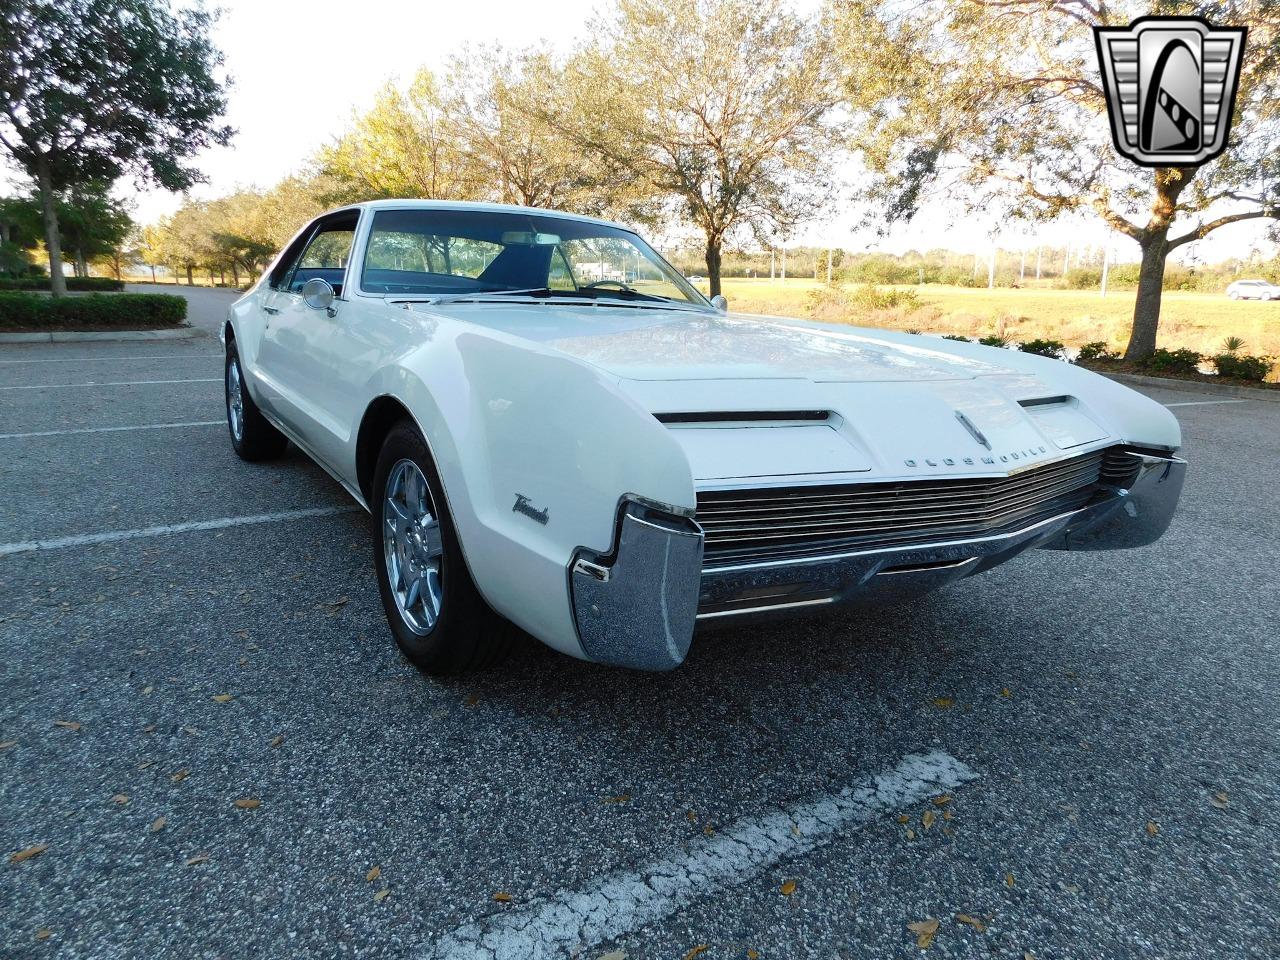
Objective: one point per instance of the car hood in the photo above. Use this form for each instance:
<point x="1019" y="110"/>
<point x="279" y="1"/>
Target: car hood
<point x="665" y="344"/>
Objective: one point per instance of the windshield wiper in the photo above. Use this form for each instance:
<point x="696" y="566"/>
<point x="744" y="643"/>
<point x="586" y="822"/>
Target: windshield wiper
<point x="500" y="292"/>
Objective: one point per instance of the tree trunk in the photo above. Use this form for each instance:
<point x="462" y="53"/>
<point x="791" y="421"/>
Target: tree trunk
<point x="714" y="245"/>
<point x="1146" y="308"/>
<point x="82" y="263"/>
<point x="235" y="275"/>
<point x="190" y="279"/>
<point x="49" y="212"/>
<point x="153" y="273"/>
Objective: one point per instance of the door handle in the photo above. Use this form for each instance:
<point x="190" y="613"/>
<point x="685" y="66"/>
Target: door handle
<point x="271" y="310"/>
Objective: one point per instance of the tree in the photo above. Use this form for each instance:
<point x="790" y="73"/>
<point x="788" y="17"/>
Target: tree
<point x="404" y="146"/>
<point x="93" y="90"/>
<point x="724" y="106"/>
<point x="1000" y="102"/>
<point x="91" y="223"/>
<point x="149" y="247"/>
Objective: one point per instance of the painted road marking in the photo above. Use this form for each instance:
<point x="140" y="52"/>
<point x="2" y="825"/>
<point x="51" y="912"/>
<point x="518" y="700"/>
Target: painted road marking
<point x="113" y="383"/>
<point x="1202" y="403"/>
<point x="143" y="426"/>
<point x="113" y="536"/>
<point x="577" y="921"/>
<point x="160" y="356"/>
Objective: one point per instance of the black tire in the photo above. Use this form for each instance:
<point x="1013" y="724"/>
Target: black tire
<point x="258" y="439"/>
<point x="465" y="633"/>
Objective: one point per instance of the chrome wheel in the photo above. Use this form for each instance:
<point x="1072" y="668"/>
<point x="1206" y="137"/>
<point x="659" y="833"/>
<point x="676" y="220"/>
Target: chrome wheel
<point x="412" y="547"/>
<point x="235" y="400"/>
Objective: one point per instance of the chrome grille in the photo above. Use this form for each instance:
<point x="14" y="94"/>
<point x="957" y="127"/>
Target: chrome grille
<point x="782" y="522"/>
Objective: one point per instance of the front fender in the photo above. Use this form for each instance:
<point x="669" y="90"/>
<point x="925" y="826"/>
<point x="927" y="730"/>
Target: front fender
<point x="535" y="449"/>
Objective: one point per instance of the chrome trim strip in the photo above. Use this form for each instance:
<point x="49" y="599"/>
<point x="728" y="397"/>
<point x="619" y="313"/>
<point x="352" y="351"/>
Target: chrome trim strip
<point x="768" y="608"/>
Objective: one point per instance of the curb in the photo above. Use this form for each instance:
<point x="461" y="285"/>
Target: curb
<point x="1195" y="386"/>
<point x="81" y="336"/>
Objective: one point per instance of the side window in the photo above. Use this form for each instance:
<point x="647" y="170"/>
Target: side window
<point x="326" y="255"/>
<point x="288" y="260"/>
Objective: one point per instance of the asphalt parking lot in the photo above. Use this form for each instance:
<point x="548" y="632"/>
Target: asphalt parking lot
<point x="1072" y="756"/>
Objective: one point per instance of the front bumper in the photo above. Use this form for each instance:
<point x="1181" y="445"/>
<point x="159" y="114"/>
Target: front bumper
<point x="638" y="605"/>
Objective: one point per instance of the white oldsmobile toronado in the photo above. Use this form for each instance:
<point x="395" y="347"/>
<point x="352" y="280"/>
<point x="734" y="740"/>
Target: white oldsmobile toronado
<point x="551" y="428"/>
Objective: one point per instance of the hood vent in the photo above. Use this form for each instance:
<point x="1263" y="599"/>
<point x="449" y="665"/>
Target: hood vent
<point x="1044" y="401"/>
<point x="745" y="416"/>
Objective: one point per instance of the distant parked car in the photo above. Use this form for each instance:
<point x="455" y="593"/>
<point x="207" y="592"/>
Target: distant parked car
<point x="1253" y="290"/>
<point x="696" y="278"/>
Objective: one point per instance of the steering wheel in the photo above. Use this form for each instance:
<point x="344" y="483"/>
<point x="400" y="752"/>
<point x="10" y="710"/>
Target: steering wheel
<point x="601" y="283"/>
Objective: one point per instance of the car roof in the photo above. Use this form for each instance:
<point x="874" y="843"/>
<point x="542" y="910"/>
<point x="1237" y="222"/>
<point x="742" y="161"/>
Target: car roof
<point x="408" y="204"/>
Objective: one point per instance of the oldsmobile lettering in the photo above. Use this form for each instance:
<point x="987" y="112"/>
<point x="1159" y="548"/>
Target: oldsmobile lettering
<point x="987" y="460"/>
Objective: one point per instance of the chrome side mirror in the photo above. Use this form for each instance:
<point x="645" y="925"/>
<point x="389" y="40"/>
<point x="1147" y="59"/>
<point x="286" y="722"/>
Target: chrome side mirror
<point x="318" y="294"/>
<point x="720" y="303"/>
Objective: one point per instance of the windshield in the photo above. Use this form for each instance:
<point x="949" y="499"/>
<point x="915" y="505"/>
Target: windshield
<point x="468" y="252"/>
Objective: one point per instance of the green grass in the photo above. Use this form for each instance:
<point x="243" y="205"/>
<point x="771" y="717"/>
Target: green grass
<point x="1198" y="321"/>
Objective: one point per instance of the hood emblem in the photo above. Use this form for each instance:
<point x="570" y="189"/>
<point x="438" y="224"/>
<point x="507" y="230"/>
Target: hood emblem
<point x="974" y="431"/>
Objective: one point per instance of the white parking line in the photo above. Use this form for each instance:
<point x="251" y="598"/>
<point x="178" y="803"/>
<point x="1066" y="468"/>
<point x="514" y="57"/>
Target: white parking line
<point x="575" y="921"/>
<point x="143" y="426"/>
<point x="112" y="383"/>
<point x="1202" y="403"/>
<point x="160" y="356"/>
<point x="112" y="536"/>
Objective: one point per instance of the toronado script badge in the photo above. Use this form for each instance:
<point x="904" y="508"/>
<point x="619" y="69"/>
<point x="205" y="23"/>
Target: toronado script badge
<point x="1170" y="84"/>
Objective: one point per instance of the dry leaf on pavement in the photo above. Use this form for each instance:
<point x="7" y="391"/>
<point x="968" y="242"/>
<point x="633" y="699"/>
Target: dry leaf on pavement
<point x="197" y="859"/>
<point x="942" y="801"/>
<point x="158" y="824"/>
<point x="974" y="922"/>
<point x="928" y="819"/>
<point x="121" y="798"/>
<point x="382" y="894"/>
<point x="503" y="897"/>
<point x="180" y="775"/>
<point x="620" y="798"/>
<point x="222" y="698"/>
<point x="277" y="740"/>
<point x="44" y="933"/>
<point x="7" y="744"/>
<point x="788" y="888"/>
<point x="1219" y="800"/>
<point x="32" y="851"/>
<point x="925" y="931"/>
<point x="1008" y="880"/>
<point x="613" y="955"/>
<point x="248" y="803"/>
<point x="68" y="724"/>
<point x="1152" y="827"/>
<point x="700" y="948"/>
<point x="373" y="874"/>
<point x="944" y="703"/>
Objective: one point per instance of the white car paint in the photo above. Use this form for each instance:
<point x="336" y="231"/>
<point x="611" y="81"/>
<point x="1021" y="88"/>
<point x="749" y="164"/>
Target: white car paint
<point x="1253" y="290"/>
<point x="557" y="403"/>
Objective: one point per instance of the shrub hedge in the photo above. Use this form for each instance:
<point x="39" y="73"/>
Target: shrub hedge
<point x="28" y="311"/>
<point x="1242" y="367"/>
<point x="79" y="284"/>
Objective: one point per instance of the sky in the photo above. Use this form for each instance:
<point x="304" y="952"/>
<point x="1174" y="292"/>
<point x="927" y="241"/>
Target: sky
<point x="301" y="70"/>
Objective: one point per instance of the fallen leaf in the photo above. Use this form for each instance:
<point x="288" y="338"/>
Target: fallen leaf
<point x="277" y="740"/>
<point x="925" y="931"/>
<point x="197" y="859"/>
<point x="149" y="728"/>
<point x="1006" y="692"/>
<point x="1028" y="955"/>
<point x="1068" y="887"/>
<point x="503" y="897"/>
<point x="942" y="801"/>
<point x="7" y="744"/>
<point x="974" y="922"/>
<point x="708" y="830"/>
<point x="382" y="894"/>
<point x="903" y="818"/>
<point x="472" y="700"/>
<point x="788" y="888"/>
<point x="121" y="798"/>
<point x="373" y="874"/>
<point x="222" y="698"/>
<point x="613" y="955"/>
<point x="248" y="803"/>
<point x="928" y="819"/>
<point x="191" y="731"/>
<point x="44" y="933"/>
<point x="340" y="602"/>
<point x="911" y="834"/>
<point x="1219" y="800"/>
<point x="944" y="703"/>
<point x="693" y="817"/>
<point x="68" y="724"/>
<point x="148" y="689"/>
<point x="1152" y="827"/>
<point x="158" y="824"/>
<point x="700" y="948"/>
<point x="180" y="775"/>
<point x="948" y="815"/>
<point x="32" y="851"/>
<point x="1008" y="880"/>
<point x="620" y="798"/>
<point x="752" y="954"/>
